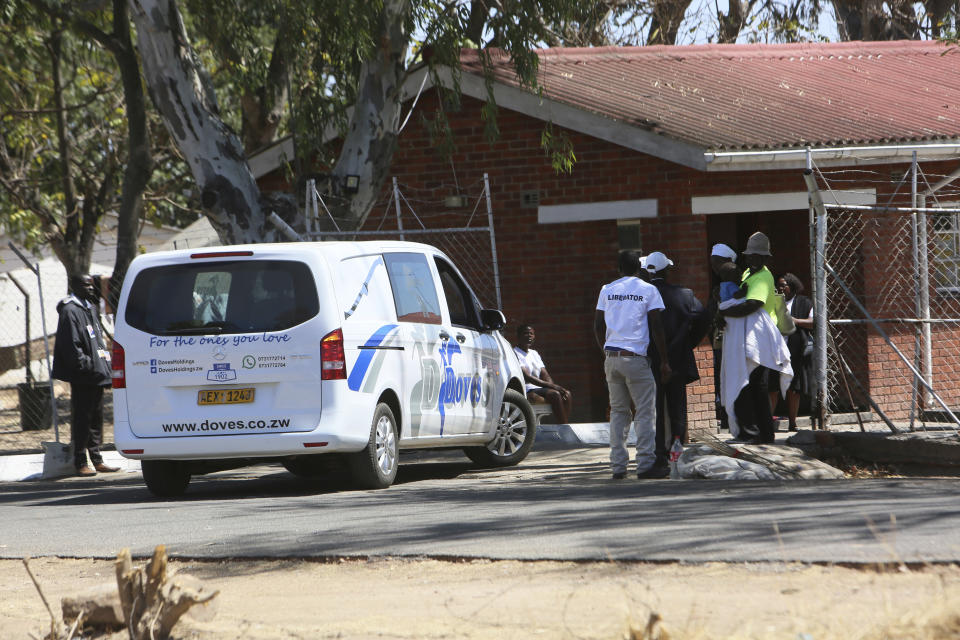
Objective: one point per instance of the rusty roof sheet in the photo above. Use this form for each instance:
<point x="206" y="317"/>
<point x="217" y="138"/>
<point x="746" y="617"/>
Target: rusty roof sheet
<point x="742" y="97"/>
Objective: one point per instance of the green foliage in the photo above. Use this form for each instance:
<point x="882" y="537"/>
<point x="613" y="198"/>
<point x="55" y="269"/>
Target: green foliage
<point x="33" y="196"/>
<point x="324" y="44"/>
<point x="33" y="200"/>
<point x="558" y="146"/>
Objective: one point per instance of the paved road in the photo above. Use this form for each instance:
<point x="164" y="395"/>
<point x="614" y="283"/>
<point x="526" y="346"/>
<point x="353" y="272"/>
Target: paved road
<point x="557" y="505"/>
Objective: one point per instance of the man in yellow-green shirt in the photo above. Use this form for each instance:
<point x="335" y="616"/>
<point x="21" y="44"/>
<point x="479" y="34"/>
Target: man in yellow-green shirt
<point x="753" y="404"/>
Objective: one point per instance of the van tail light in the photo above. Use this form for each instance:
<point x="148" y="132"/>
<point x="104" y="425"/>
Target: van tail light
<point x="334" y="364"/>
<point x="118" y="372"/>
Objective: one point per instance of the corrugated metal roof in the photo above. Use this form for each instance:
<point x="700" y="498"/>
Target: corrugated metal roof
<point x="741" y="97"/>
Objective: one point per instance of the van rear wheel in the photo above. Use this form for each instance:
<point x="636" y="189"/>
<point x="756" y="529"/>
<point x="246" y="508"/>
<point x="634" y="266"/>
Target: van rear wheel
<point x="376" y="466"/>
<point x="516" y="431"/>
<point x="165" y="478"/>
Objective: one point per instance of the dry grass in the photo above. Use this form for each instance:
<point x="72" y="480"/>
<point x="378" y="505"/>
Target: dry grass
<point x="859" y="469"/>
<point x="940" y="622"/>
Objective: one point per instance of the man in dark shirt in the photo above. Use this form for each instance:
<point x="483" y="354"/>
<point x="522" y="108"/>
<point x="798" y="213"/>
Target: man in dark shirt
<point x="685" y="323"/>
<point x="80" y="357"/>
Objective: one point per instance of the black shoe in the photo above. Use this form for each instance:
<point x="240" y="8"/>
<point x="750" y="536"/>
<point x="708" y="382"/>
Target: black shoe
<point x="619" y="475"/>
<point x="653" y="473"/>
<point x="740" y="440"/>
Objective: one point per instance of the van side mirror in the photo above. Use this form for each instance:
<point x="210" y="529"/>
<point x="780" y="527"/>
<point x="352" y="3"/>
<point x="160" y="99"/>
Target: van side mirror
<point x="492" y="320"/>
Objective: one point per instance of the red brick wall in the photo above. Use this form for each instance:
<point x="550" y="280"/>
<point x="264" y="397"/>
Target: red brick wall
<point x="551" y="274"/>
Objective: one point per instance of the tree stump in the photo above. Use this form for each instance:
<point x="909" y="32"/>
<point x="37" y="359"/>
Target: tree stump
<point x="151" y="601"/>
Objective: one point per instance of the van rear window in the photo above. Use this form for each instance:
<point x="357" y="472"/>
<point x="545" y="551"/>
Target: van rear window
<point x="243" y="296"/>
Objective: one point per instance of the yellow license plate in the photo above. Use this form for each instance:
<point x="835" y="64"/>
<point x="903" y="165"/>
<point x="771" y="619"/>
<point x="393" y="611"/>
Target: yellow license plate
<point x="225" y="396"/>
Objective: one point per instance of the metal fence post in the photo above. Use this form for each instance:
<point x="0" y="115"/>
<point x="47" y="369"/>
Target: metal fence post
<point x="396" y="199"/>
<point x="820" y="303"/>
<point x="46" y="347"/>
<point x="925" y="329"/>
<point x="915" y="253"/>
<point x="493" y="240"/>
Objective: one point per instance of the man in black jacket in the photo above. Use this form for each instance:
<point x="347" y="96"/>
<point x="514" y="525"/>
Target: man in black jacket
<point x="685" y="323"/>
<point x="80" y="357"/>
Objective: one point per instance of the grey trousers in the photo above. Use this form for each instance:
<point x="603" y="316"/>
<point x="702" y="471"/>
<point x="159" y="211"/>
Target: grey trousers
<point x="630" y="378"/>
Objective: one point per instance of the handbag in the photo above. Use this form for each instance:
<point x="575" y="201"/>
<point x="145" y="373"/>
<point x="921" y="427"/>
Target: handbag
<point x="784" y="320"/>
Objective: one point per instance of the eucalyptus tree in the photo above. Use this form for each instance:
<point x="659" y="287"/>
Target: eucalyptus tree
<point x="339" y="65"/>
<point x="76" y="137"/>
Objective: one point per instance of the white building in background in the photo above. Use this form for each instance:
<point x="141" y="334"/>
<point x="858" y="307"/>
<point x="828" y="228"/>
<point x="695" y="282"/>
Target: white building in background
<point x="53" y="280"/>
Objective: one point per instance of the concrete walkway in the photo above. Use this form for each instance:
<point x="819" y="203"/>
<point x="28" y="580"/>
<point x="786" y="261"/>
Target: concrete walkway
<point x="16" y="468"/>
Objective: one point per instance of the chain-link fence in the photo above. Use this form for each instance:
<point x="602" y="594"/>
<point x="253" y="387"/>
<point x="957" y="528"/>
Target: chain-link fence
<point x="890" y="278"/>
<point x="26" y="395"/>
<point x="458" y="221"/>
<point x="32" y="410"/>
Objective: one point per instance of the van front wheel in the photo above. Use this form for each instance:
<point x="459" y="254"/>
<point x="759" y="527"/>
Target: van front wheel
<point x="165" y="478"/>
<point x="376" y="466"/>
<point x="516" y="431"/>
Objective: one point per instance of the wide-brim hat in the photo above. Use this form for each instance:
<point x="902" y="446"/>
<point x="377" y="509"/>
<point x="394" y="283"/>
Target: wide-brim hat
<point x="758" y="244"/>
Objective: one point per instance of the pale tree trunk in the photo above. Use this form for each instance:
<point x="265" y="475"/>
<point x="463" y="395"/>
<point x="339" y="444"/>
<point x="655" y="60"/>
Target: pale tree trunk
<point x="374" y="126"/>
<point x="229" y="193"/>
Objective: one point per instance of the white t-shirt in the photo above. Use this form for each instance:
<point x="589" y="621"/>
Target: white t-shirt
<point x="625" y="304"/>
<point x="532" y="362"/>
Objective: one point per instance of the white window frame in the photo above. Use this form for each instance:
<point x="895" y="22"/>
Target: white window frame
<point x="787" y="201"/>
<point x="938" y="258"/>
<point x="590" y="211"/>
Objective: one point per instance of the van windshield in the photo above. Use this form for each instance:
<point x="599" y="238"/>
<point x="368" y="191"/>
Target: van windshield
<point x="243" y="296"/>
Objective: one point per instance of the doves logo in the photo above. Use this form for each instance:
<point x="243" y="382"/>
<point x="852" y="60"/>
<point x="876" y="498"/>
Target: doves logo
<point x="447" y="351"/>
<point x="455" y="389"/>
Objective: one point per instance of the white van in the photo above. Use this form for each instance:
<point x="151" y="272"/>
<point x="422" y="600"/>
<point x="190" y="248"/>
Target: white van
<point x="309" y="353"/>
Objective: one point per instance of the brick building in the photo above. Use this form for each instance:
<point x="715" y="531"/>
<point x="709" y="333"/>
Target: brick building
<point x="676" y="148"/>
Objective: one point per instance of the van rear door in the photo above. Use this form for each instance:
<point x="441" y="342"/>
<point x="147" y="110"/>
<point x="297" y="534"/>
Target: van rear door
<point x="222" y="347"/>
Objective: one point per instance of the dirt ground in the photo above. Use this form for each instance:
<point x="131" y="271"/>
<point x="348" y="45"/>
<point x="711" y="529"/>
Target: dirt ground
<point x="410" y="598"/>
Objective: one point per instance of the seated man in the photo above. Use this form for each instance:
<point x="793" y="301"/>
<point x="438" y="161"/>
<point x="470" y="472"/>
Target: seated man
<point x="540" y="385"/>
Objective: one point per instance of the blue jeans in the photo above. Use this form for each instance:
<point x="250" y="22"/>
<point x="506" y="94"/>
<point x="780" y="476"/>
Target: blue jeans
<point x="630" y="378"/>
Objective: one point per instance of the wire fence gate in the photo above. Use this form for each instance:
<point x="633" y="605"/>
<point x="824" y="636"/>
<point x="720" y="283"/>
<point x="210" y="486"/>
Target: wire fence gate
<point x="33" y="408"/>
<point x="458" y="221"/>
<point x="887" y="291"/>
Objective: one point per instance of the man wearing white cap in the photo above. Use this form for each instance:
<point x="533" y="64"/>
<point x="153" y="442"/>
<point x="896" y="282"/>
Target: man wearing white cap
<point x="721" y="257"/>
<point x="724" y="252"/>
<point x="685" y="323"/>
<point x="627" y="316"/>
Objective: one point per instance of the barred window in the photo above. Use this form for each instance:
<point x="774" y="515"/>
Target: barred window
<point x="945" y="252"/>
